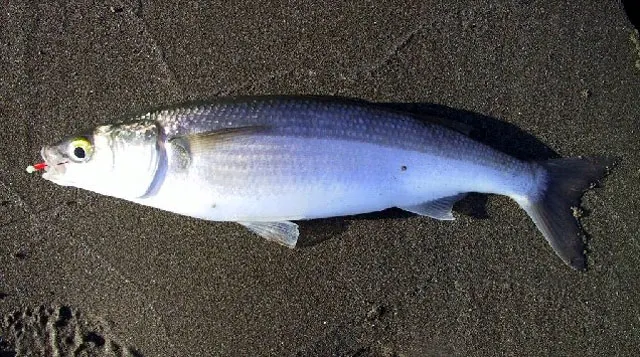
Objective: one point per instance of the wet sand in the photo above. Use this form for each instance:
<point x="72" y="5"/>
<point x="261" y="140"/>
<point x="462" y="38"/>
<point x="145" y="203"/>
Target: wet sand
<point x="82" y="272"/>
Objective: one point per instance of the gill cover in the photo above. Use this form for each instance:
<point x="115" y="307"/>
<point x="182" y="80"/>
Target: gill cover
<point x="120" y="160"/>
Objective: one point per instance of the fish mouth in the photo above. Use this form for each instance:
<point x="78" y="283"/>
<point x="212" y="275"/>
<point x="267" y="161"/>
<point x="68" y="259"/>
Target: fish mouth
<point x="54" y="163"/>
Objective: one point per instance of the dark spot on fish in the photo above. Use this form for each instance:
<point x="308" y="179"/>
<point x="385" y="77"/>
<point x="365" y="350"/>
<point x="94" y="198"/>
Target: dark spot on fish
<point x="21" y="255"/>
<point x="3" y="295"/>
<point x="4" y="203"/>
<point x="403" y="168"/>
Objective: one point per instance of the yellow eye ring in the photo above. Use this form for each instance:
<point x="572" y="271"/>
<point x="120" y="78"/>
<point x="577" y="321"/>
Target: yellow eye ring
<point x="80" y="149"/>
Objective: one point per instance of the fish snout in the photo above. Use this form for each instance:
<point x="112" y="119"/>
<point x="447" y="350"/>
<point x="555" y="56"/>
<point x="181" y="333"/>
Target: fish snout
<point x="54" y="161"/>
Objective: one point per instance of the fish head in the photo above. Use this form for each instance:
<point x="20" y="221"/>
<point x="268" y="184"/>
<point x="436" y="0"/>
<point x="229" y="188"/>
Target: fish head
<point x="118" y="160"/>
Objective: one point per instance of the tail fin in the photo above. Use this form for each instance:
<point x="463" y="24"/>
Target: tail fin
<point x="554" y="209"/>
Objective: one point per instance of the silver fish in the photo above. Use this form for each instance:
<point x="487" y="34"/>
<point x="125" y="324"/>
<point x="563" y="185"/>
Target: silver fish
<point x="266" y="161"/>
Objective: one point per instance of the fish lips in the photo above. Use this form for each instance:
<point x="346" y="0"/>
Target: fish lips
<point x="55" y="161"/>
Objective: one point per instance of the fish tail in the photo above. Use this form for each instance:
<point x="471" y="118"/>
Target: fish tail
<point x="554" y="208"/>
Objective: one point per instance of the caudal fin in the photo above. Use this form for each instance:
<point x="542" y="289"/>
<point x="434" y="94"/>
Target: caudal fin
<point x="554" y="210"/>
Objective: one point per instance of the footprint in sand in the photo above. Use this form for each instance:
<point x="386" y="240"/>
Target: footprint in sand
<point x="57" y="331"/>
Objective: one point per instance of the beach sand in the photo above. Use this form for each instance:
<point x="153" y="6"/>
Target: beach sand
<point x="92" y="275"/>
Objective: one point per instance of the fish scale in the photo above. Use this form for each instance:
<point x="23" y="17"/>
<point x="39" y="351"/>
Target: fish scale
<point x="324" y="119"/>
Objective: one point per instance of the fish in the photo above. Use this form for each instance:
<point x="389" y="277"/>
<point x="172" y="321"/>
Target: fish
<point x="265" y="161"/>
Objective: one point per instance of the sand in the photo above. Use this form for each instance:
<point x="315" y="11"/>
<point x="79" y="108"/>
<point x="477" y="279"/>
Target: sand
<point x="81" y="273"/>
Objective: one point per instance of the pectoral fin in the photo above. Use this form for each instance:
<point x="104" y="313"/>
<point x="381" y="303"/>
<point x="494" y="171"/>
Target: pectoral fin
<point x="207" y="141"/>
<point x="438" y="209"/>
<point x="285" y="232"/>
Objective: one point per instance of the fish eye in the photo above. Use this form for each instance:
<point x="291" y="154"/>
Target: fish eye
<point x="79" y="152"/>
<point x="80" y="149"/>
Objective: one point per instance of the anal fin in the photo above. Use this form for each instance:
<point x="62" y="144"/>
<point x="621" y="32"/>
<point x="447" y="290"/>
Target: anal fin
<point x="438" y="209"/>
<point x="284" y="232"/>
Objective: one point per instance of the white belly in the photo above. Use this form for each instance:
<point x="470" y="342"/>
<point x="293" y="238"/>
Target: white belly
<point x="284" y="178"/>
